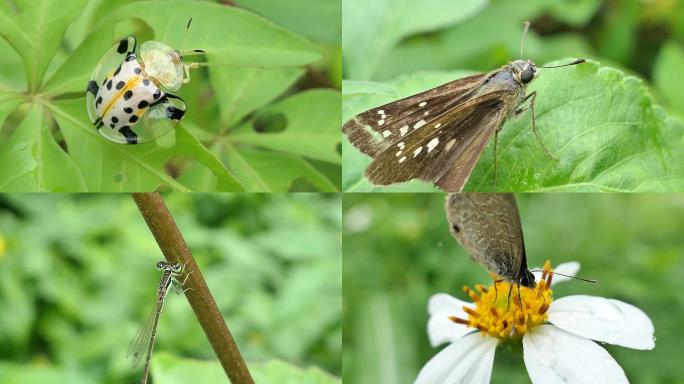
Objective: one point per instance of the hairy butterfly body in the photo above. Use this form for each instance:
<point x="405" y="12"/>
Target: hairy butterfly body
<point x="488" y="226"/>
<point x="128" y="96"/>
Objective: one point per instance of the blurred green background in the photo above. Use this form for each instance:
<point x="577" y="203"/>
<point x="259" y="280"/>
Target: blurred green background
<point x="398" y="252"/>
<point x="78" y="277"/>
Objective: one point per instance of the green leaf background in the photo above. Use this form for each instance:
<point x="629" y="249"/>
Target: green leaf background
<point x="77" y="279"/>
<point x="258" y="61"/>
<point x="398" y="252"/>
<point x="614" y="122"/>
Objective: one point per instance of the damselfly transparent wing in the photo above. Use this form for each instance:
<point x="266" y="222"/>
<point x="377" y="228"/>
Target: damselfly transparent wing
<point x="140" y="343"/>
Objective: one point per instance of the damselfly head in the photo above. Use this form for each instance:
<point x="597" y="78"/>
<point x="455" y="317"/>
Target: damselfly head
<point x="176" y="268"/>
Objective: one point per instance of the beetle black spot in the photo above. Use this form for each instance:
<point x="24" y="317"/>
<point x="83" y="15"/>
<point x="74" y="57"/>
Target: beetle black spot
<point x="456" y="228"/>
<point x="115" y="119"/>
<point x="112" y="125"/>
<point x="157" y="93"/>
<point x="143" y="104"/>
<point x="146" y="82"/>
<point x="109" y="85"/>
<point x="128" y="94"/>
<point x="133" y="119"/>
<point x="123" y="46"/>
<point x="98" y="101"/>
<point x="130" y="58"/>
<point x="131" y="137"/>
<point x="128" y="110"/>
<point x="104" y="81"/>
<point x="120" y="85"/>
<point x="137" y="70"/>
<point x="117" y="71"/>
<point x="92" y="87"/>
<point x="174" y="113"/>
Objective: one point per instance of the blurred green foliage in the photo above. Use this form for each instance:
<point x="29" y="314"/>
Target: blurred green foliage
<point x="399" y="47"/>
<point x="77" y="279"/>
<point x="398" y="252"/>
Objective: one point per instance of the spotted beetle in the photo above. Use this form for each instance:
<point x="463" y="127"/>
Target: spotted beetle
<point x="128" y="96"/>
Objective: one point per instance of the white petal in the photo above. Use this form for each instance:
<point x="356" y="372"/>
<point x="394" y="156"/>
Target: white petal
<point x="555" y="356"/>
<point x="601" y="319"/>
<point x="570" y="268"/>
<point x="468" y="360"/>
<point x="440" y="328"/>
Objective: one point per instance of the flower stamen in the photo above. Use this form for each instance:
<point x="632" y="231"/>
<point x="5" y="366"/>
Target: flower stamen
<point x="495" y="316"/>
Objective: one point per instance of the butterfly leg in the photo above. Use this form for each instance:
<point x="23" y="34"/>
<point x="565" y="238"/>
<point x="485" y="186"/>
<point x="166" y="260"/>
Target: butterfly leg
<point x="532" y="96"/>
<point x="508" y="302"/>
<point x="188" y="67"/>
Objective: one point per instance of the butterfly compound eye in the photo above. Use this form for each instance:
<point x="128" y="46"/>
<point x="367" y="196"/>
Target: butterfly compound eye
<point x="527" y="75"/>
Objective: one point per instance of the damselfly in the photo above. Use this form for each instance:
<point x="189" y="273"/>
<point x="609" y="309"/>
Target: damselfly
<point x="143" y="342"/>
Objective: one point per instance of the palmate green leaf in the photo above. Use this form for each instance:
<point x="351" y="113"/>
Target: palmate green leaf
<point x="230" y="36"/>
<point x="169" y="369"/>
<point x="312" y="126"/>
<point x="600" y="123"/>
<point x="317" y="19"/>
<point x="34" y="162"/>
<point x="242" y="90"/>
<point x="35" y="28"/>
<point x="387" y="22"/>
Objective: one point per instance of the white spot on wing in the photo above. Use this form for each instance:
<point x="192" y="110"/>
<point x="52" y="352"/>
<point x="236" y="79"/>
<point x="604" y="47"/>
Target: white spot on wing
<point x="449" y="144"/>
<point x="403" y="130"/>
<point x="402" y="159"/>
<point x="424" y="103"/>
<point x="381" y="112"/>
<point x="432" y="144"/>
<point x="381" y="122"/>
<point x="398" y="153"/>
<point x="417" y="151"/>
<point x="419" y="124"/>
<point x="386" y="133"/>
<point x="401" y="145"/>
<point x="438" y="125"/>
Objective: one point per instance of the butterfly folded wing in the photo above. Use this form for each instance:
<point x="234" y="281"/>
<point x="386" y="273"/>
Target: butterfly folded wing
<point x="488" y="226"/>
<point x="445" y="147"/>
<point x="375" y="130"/>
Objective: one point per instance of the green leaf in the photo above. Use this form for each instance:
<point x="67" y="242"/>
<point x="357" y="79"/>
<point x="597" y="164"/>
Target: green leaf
<point x="242" y="90"/>
<point x="370" y="29"/>
<point x="311" y="129"/>
<point x="320" y="20"/>
<point x="360" y="87"/>
<point x="35" y="28"/>
<point x="34" y="161"/>
<point x="229" y="35"/>
<point x="600" y="123"/>
<point x="666" y="75"/>
<point x="169" y="369"/>
<point x="263" y="171"/>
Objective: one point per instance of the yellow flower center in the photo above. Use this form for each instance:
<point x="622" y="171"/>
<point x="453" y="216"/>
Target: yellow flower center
<point x="508" y="310"/>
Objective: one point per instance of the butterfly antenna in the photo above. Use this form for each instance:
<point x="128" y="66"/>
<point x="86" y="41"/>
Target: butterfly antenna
<point x="578" y="61"/>
<point x="185" y="36"/>
<point x="526" y="27"/>
<point x="572" y="277"/>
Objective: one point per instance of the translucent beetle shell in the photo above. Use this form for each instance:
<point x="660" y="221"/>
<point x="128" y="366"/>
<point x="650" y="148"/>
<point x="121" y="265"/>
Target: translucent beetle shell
<point x="128" y="97"/>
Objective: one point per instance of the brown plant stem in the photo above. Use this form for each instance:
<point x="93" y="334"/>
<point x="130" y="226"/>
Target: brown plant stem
<point x="174" y="248"/>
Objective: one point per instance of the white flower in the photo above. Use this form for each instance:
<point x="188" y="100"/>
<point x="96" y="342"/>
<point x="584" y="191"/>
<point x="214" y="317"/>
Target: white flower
<point x="556" y="334"/>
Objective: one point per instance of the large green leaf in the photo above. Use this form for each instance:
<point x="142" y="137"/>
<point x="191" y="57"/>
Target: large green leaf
<point x="318" y="19"/>
<point x="34" y="162"/>
<point x="35" y="28"/>
<point x="600" y="123"/>
<point x="230" y="36"/>
<point x="312" y="126"/>
<point x="370" y="29"/>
